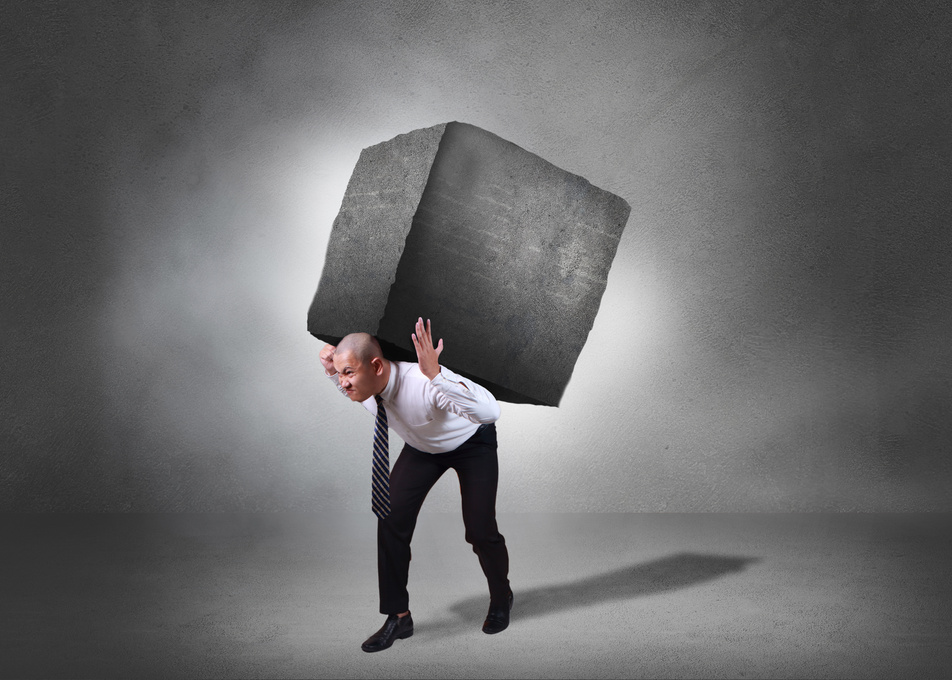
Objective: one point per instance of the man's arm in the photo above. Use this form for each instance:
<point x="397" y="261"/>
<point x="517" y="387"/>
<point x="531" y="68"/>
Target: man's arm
<point x="327" y="361"/>
<point x="462" y="397"/>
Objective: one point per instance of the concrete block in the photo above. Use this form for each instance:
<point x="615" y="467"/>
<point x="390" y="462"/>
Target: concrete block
<point x="506" y="253"/>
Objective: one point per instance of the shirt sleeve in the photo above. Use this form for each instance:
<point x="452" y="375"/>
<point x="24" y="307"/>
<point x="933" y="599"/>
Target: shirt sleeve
<point x="463" y="397"/>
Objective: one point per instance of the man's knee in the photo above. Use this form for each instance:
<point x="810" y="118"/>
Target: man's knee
<point x="482" y="537"/>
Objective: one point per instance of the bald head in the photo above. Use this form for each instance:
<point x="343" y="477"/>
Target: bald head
<point x="362" y="346"/>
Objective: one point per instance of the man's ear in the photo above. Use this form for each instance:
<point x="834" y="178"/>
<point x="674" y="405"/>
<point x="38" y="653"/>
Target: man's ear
<point x="377" y="364"/>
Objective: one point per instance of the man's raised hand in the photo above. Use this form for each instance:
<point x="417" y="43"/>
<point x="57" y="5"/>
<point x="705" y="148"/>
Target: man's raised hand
<point x="327" y="359"/>
<point x="427" y="356"/>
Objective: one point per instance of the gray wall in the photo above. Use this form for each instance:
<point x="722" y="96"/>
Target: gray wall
<point x="775" y="332"/>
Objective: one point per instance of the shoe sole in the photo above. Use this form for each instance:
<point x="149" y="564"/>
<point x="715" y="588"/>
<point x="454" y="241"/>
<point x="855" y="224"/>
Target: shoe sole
<point x="404" y="636"/>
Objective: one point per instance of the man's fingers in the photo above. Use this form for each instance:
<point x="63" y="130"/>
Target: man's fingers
<point x="424" y="336"/>
<point x="423" y="333"/>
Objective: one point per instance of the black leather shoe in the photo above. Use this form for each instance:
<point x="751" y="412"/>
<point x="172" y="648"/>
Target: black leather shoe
<point x="395" y="628"/>
<point x="497" y="620"/>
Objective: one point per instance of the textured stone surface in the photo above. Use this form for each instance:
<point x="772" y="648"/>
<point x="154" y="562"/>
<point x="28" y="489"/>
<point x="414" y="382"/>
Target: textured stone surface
<point x="369" y="232"/>
<point x="508" y="255"/>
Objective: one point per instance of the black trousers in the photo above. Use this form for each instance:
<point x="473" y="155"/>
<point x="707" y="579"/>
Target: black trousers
<point x="413" y="475"/>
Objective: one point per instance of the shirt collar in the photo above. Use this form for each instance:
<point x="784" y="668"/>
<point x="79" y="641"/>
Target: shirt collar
<point x="390" y="391"/>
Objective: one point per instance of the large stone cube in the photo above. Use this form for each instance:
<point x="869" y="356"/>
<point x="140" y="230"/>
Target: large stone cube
<point x="506" y="253"/>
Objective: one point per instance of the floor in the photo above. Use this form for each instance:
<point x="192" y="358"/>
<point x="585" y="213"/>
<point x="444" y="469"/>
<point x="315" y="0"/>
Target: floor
<point x="597" y="596"/>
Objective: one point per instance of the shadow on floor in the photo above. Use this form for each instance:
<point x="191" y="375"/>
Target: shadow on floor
<point x="658" y="576"/>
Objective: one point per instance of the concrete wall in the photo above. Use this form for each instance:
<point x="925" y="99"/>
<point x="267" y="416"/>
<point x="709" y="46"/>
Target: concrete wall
<point x="775" y="331"/>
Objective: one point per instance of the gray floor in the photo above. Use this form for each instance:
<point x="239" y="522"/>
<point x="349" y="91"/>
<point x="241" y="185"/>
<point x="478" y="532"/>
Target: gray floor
<point x="600" y="596"/>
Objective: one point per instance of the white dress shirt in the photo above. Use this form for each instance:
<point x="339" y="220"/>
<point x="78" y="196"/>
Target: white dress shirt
<point x="434" y="416"/>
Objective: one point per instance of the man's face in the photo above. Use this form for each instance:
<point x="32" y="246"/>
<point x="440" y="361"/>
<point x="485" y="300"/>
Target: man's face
<point x="360" y="380"/>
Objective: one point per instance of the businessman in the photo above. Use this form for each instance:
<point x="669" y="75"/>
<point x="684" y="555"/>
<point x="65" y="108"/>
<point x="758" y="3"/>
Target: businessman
<point x="447" y="422"/>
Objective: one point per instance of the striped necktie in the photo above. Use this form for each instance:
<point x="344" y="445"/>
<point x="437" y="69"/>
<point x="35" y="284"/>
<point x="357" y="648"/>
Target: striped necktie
<point x="380" y="484"/>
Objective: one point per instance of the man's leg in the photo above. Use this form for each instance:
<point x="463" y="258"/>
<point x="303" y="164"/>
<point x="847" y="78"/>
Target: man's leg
<point x="413" y="475"/>
<point x="478" y="468"/>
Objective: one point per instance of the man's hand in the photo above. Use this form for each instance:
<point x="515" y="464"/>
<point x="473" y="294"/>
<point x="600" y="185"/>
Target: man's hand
<point x="327" y="359"/>
<point x="427" y="356"/>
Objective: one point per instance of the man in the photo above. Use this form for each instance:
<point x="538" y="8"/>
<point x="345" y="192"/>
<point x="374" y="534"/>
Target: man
<point x="447" y="422"/>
